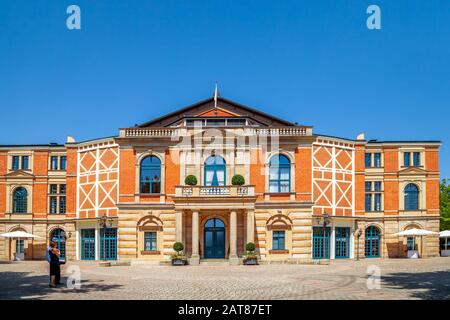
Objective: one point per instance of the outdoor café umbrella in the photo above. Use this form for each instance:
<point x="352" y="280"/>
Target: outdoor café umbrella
<point x="415" y="233"/>
<point x="445" y="234"/>
<point x="19" y="235"/>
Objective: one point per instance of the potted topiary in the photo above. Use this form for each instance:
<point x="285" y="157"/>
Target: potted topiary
<point x="190" y="180"/>
<point x="178" y="259"/>
<point x="238" y="180"/>
<point x="250" y="258"/>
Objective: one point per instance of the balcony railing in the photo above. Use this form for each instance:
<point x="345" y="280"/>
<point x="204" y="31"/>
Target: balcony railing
<point x="202" y="191"/>
<point x="174" y="132"/>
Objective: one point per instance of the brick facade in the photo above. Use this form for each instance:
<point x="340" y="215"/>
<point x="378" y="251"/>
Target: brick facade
<point x="326" y="176"/>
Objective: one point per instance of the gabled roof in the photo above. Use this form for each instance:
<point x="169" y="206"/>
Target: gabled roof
<point x="225" y="107"/>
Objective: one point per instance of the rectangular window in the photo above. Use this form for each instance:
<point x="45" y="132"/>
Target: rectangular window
<point x="410" y="243"/>
<point x="236" y="122"/>
<point x="62" y="189"/>
<point x="373" y="197"/>
<point x="54" y="189"/>
<point x="63" y="163"/>
<point x="25" y="162"/>
<point x="377" y="160"/>
<point x="150" y="241"/>
<point x="54" y="163"/>
<point x="278" y="240"/>
<point x="377" y="203"/>
<point x="368" y="202"/>
<point x="15" y="163"/>
<point x="416" y="159"/>
<point x="368" y="160"/>
<point x="62" y="205"/>
<point x="377" y="186"/>
<point x="20" y="246"/>
<point x="53" y="205"/>
<point x="215" y="122"/>
<point x="407" y="159"/>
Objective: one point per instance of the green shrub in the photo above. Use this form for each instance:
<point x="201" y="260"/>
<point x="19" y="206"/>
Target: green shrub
<point x="238" y="180"/>
<point x="178" y="246"/>
<point x="250" y="247"/>
<point x="190" y="180"/>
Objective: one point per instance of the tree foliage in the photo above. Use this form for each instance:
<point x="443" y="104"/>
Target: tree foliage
<point x="445" y="205"/>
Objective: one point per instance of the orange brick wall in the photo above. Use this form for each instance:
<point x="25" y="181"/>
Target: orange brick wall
<point x="172" y="171"/>
<point x="256" y="172"/>
<point x="303" y="174"/>
<point x="71" y="182"/>
<point x="359" y="180"/>
<point x="40" y="186"/>
<point x="432" y="159"/>
<point x="127" y="175"/>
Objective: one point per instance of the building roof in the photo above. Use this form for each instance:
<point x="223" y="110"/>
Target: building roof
<point x="202" y="107"/>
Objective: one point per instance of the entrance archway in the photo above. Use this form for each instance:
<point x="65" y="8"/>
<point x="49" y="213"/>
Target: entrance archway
<point x="59" y="237"/>
<point x="214" y="239"/>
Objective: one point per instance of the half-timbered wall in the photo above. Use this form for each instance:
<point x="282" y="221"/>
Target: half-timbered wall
<point x="333" y="178"/>
<point x="98" y="173"/>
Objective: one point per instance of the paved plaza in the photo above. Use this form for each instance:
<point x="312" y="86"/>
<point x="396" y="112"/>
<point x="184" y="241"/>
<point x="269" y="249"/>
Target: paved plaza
<point x="400" y="279"/>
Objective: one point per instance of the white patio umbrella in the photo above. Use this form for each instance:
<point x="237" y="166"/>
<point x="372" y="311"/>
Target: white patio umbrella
<point x="445" y="234"/>
<point x="416" y="233"/>
<point x="19" y="235"/>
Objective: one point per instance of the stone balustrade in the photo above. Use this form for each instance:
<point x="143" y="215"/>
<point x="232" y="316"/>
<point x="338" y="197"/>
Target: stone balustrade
<point x="174" y="132"/>
<point x="214" y="191"/>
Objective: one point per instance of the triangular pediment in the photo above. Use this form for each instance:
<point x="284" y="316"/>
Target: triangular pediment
<point x="20" y="174"/>
<point x="412" y="170"/>
<point x="223" y="108"/>
<point x="218" y="112"/>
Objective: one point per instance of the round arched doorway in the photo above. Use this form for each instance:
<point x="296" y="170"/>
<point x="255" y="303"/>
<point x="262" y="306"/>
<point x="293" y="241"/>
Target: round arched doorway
<point x="59" y="237"/>
<point x="214" y="239"/>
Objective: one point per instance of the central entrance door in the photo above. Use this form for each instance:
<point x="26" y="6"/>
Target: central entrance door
<point x="214" y="240"/>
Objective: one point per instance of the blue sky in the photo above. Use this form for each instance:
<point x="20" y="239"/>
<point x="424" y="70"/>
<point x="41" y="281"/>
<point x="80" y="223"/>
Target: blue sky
<point x="314" y="62"/>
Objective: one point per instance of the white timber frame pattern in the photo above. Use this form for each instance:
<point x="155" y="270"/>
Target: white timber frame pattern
<point x="97" y="179"/>
<point x="333" y="180"/>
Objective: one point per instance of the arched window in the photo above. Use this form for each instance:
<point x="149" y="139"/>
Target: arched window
<point x="150" y="178"/>
<point x="215" y="171"/>
<point x="279" y="174"/>
<point x="20" y="200"/>
<point x="411" y="197"/>
<point x="372" y="242"/>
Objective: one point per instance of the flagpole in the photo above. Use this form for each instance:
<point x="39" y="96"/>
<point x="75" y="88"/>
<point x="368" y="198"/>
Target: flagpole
<point x="215" y="96"/>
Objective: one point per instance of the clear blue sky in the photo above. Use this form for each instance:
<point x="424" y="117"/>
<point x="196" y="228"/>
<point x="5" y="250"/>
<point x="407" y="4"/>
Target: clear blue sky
<point x="314" y="62"/>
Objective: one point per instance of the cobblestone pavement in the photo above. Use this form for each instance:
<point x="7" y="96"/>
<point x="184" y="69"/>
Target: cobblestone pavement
<point x="400" y="279"/>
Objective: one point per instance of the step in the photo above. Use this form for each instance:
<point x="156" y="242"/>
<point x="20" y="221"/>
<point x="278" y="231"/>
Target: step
<point x="214" y="262"/>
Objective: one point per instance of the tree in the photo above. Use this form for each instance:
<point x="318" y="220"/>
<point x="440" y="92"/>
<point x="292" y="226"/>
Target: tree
<point x="445" y="205"/>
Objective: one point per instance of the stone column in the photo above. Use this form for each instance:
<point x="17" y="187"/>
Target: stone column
<point x="234" y="260"/>
<point x="179" y="226"/>
<point x="250" y="226"/>
<point x="195" y="258"/>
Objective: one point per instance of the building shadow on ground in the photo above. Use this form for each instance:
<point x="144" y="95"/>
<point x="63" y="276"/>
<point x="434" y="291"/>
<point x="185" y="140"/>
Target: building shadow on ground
<point x="425" y="285"/>
<point x="24" y="285"/>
